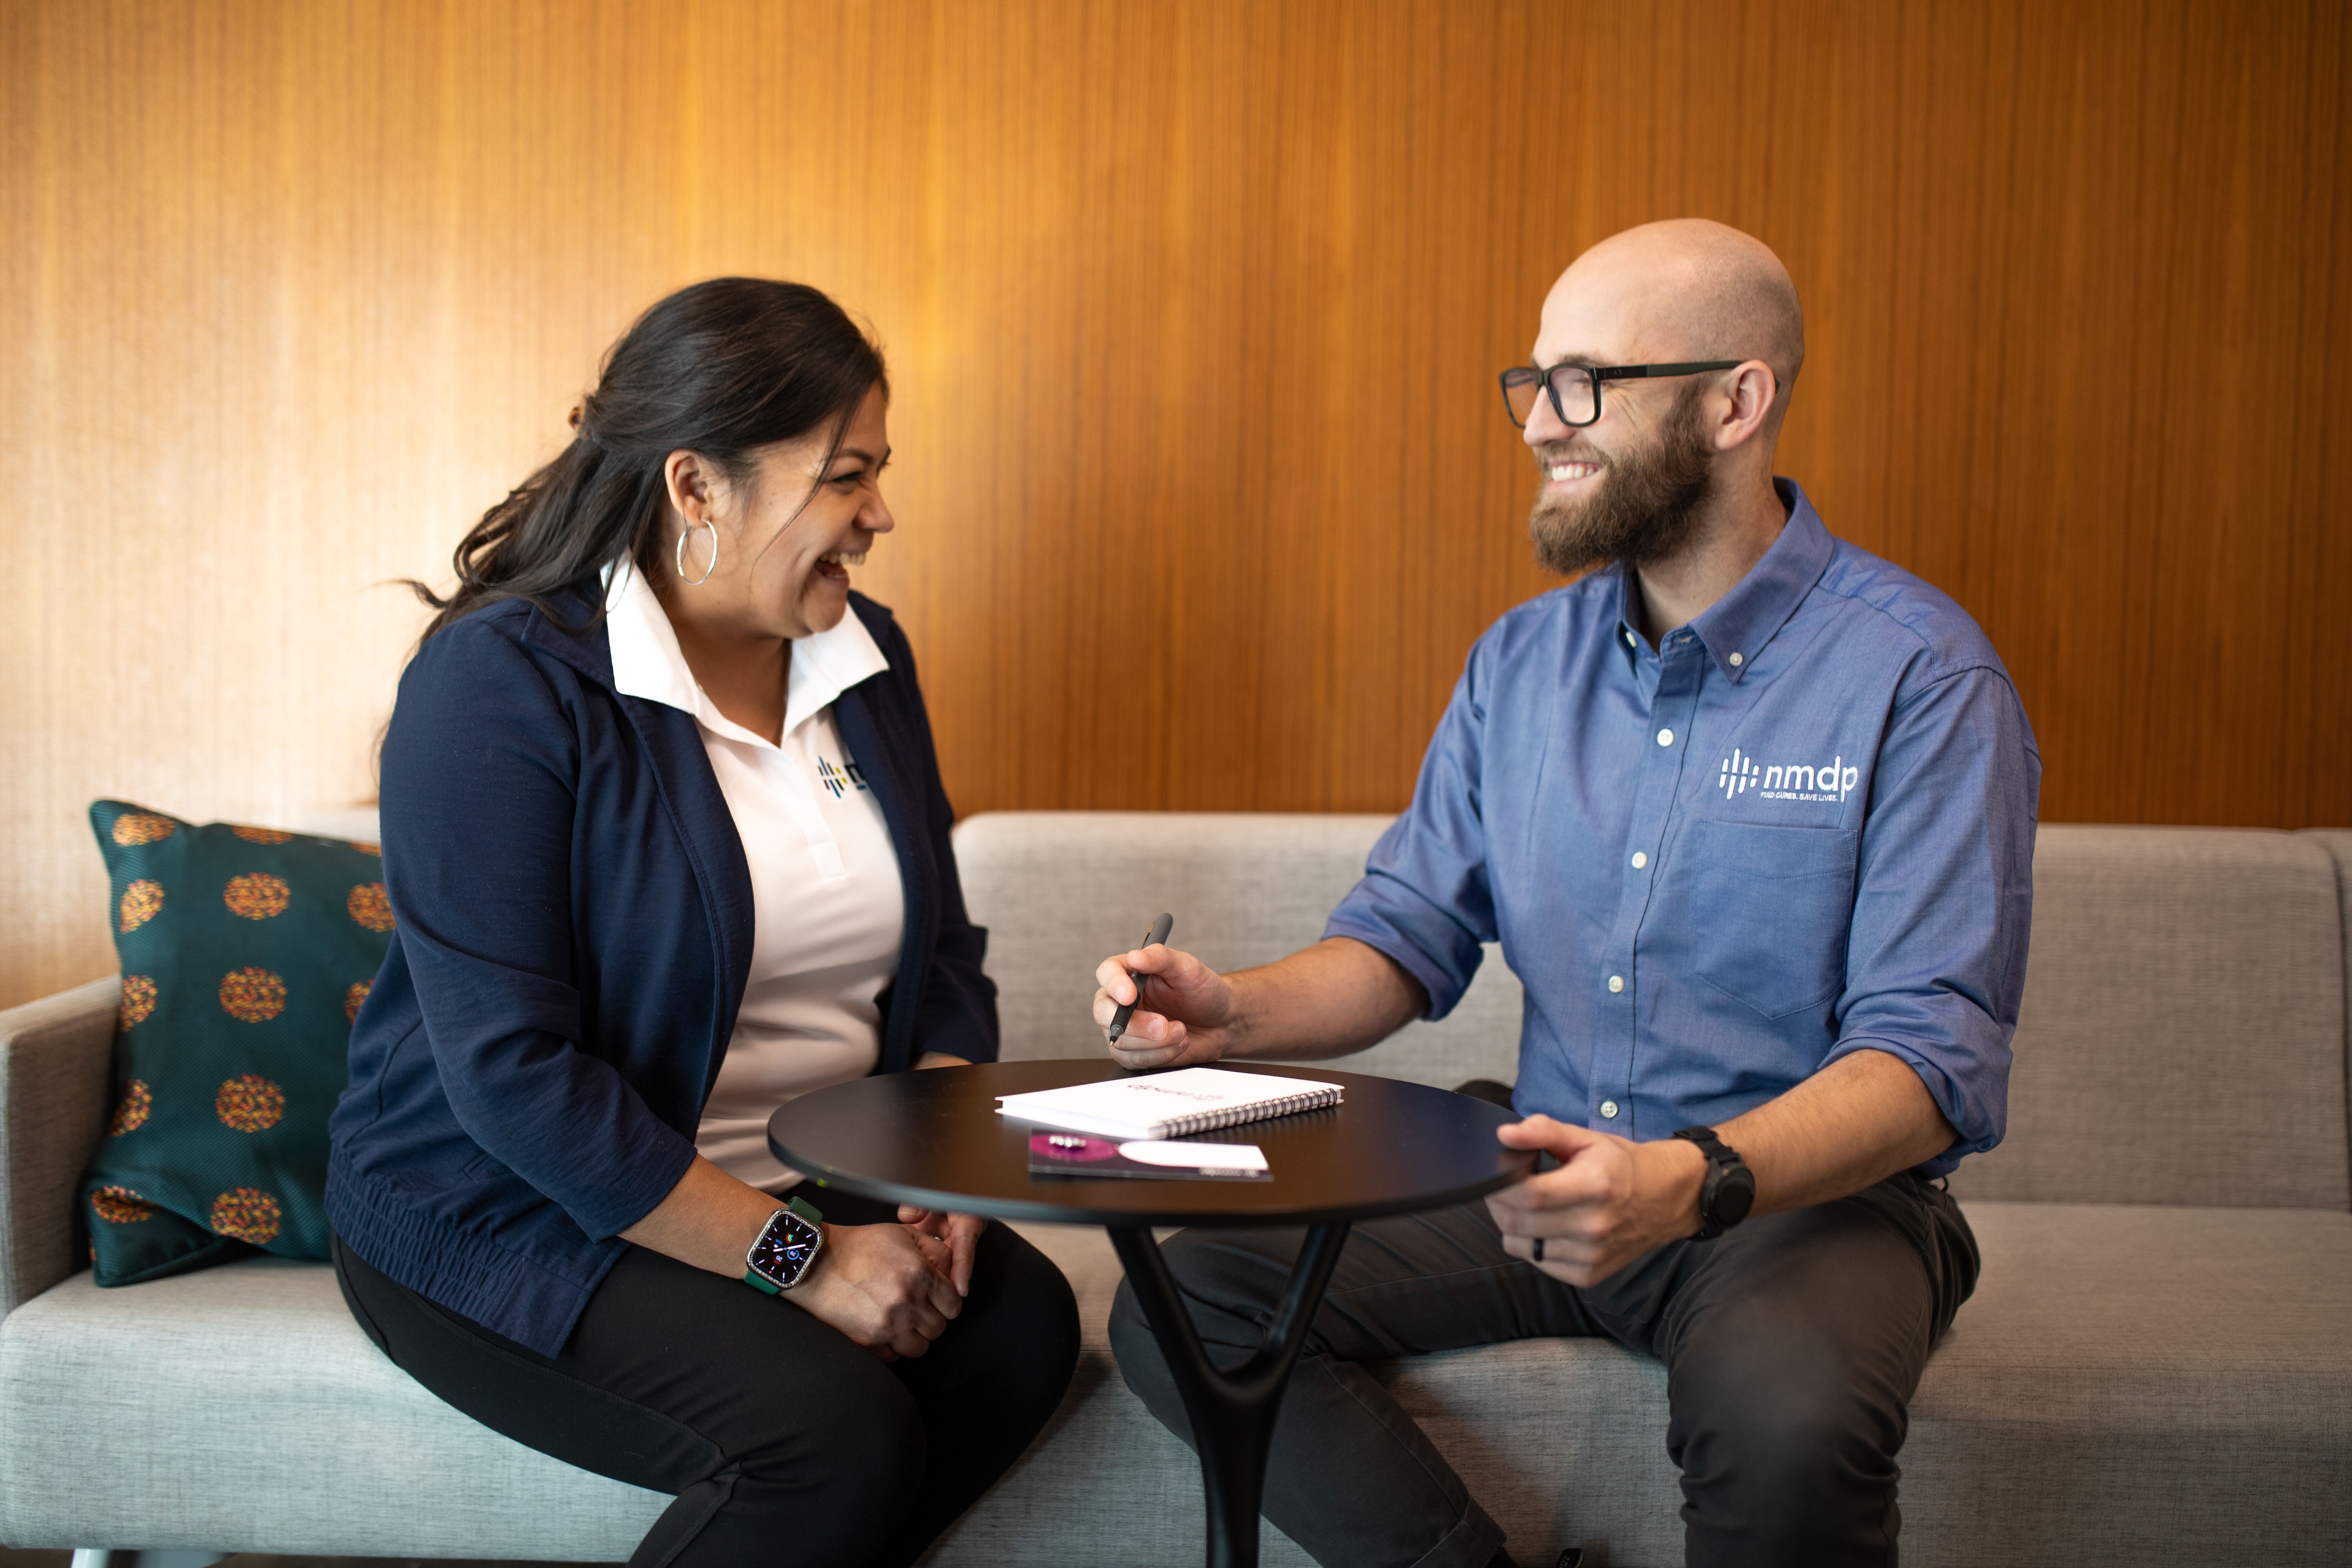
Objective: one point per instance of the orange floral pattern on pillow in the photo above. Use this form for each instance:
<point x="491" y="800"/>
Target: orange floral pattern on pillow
<point x="250" y="1103"/>
<point x="141" y="901"/>
<point x="131" y="1113"/>
<point x="256" y="895"/>
<point x="143" y="827"/>
<point x="255" y="996"/>
<point x="354" y="996"/>
<point x="248" y="1214"/>
<point x="370" y="906"/>
<point x="121" y="1206"/>
<point x="138" y="1001"/>
<point x="262" y="835"/>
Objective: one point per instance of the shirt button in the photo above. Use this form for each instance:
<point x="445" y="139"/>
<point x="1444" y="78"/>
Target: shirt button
<point x="1616" y="983"/>
<point x="1736" y="660"/>
<point x="1641" y="858"/>
<point x="1630" y="642"/>
<point x="1608" y="1109"/>
<point x="1666" y="737"/>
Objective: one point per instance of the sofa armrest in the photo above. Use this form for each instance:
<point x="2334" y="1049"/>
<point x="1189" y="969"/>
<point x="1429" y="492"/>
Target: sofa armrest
<point x="56" y="1063"/>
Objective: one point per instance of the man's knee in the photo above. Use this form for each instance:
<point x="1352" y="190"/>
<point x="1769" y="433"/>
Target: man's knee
<point x="1137" y="1350"/>
<point x="1799" y="1433"/>
<point x="1821" y="1438"/>
<point x="1228" y="1285"/>
<point x="1230" y="1281"/>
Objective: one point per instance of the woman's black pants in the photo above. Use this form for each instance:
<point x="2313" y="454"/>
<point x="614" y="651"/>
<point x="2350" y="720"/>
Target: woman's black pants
<point x="783" y="1442"/>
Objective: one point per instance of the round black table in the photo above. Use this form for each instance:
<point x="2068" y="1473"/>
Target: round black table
<point x="935" y="1139"/>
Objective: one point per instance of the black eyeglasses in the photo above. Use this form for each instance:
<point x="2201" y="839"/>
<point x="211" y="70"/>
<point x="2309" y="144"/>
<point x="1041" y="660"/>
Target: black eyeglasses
<point x="1575" y="388"/>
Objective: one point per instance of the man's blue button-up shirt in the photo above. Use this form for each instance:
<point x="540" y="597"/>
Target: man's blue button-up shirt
<point x="1801" y="826"/>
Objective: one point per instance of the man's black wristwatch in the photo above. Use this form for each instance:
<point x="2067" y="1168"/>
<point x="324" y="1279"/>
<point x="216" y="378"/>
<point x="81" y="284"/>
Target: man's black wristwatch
<point x="786" y="1250"/>
<point x="1730" y="1188"/>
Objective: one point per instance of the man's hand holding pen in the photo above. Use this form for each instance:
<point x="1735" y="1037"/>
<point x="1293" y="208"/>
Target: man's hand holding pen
<point x="1184" y="1010"/>
<point x="1326" y="1000"/>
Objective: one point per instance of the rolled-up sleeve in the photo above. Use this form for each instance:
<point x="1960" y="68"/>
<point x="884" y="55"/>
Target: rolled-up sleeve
<point x="1943" y="899"/>
<point x="1424" y="898"/>
<point x="480" y="767"/>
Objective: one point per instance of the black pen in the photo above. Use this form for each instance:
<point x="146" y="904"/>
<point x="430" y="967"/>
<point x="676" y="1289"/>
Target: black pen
<point x="1159" y="932"/>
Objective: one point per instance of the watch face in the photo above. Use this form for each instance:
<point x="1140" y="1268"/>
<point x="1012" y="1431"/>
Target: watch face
<point x="1734" y="1196"/>
<point x="785" y="1249"/>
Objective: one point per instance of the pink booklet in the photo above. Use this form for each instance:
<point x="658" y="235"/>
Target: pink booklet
<point x="1077" y="1154"/>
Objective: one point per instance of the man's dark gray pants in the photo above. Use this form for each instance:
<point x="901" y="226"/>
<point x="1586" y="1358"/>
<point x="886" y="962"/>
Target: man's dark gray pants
<point x="1793" y="1346"/>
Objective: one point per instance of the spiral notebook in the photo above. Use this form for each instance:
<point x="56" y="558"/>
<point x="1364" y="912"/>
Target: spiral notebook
<point x="1168" y="1104"/>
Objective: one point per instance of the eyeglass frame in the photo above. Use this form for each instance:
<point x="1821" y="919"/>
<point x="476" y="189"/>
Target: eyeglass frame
<point x="1599" y="372"/>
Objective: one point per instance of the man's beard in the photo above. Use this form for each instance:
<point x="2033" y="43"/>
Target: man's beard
<point x="1646" y="507"/>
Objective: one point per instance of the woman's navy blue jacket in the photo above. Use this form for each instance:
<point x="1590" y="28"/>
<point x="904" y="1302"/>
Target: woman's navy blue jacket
<point x="574" y="933"/>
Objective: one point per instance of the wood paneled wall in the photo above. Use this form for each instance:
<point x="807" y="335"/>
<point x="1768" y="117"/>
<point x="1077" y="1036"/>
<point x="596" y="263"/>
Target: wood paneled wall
<point x="1193" y="309"/>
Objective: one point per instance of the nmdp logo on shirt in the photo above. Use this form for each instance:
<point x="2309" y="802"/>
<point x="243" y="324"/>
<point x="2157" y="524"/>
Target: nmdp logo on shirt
<point x="849" y="775"/>
<point x="1787" y="781"/>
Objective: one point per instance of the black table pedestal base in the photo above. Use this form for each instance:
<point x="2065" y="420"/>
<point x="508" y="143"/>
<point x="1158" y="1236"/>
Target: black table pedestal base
<point x="1233" y="1413"/>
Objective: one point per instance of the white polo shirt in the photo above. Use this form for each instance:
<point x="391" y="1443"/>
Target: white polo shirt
<point x="830" y="914"/>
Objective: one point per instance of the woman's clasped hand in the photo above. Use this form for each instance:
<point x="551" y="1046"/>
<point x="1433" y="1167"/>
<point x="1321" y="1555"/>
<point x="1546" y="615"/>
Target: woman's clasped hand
<point x="887" y="1287"/>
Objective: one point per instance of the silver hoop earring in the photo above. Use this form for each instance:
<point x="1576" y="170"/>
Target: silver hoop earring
<point x="682" y="535"/>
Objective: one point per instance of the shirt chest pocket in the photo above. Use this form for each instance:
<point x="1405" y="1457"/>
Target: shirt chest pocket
<point x="1773" y="907"/>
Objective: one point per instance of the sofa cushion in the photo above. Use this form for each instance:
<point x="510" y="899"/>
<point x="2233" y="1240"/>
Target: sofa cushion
<point x="1059" y="891"/>
<point x="178" y="1413"/>
<point x="2182" y="1034"/>
<point x="2142" y="1384"/>
<point x="2128" y="1384"/>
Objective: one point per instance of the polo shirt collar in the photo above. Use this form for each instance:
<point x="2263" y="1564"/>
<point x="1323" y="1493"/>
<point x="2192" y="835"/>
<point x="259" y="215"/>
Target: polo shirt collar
<point x="648" y="663"/>
<point x="828" y="664"/>
<point x="1742" y="622"/>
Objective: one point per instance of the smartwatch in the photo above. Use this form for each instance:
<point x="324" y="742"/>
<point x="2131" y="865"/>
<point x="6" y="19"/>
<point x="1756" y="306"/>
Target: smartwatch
<point x="786" y="1250"/>
<point x="1729" y="1190"/>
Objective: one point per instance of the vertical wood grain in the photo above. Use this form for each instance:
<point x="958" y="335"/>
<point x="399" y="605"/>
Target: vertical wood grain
<point x="1194" y="311"/>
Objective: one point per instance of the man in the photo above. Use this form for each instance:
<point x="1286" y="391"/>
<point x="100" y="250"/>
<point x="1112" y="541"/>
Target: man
<point x="1751" y="814"/>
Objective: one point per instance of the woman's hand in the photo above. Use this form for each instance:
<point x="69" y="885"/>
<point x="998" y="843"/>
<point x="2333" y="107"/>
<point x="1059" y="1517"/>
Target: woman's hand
<point x="1192" y="1008"/>
<point x="884" y="1286"/>
<point x="958" y="1232"/>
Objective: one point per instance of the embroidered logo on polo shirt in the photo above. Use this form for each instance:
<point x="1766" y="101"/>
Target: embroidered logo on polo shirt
<point x="1829" y="781"/>
<point x="847" y="776"/>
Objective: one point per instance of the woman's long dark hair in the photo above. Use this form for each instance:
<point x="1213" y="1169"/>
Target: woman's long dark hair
<point x="721" y="369"/>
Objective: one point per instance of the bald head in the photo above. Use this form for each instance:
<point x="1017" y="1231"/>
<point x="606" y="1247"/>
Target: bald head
<point x="1687" y="289"/>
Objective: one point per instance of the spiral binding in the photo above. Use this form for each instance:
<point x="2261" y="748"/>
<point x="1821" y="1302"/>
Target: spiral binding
<point x="1262" y="1110"/>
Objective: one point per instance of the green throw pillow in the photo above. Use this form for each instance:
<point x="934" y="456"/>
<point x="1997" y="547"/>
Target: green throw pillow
<point x="246" y="954"/>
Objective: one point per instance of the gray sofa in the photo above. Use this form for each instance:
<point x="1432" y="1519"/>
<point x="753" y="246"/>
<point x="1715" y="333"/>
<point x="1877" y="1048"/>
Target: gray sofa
<point x="2157" y="1366"/>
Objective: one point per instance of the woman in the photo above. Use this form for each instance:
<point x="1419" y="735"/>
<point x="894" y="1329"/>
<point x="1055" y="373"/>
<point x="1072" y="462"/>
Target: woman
<point x="665" y="840"/>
